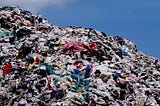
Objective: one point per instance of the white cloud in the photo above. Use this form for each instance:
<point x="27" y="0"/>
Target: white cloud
<point x="35" y="5"/>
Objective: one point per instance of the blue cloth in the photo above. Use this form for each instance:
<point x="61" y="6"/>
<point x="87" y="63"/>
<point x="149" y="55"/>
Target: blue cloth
<point x="77" y="71"/>
<point x="116" y="75"/>
<point x="87" y="72"/>
<point x="22" y="104"/>
<point x="40" y="20"/>
<point x="126" y="54"/>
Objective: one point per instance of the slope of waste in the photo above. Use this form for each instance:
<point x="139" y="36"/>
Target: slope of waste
<point x="45" y="65"/>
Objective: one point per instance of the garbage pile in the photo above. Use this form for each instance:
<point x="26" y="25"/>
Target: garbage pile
<point x="45" y="65"/>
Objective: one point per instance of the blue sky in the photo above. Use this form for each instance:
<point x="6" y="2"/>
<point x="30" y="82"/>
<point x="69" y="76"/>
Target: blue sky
<point x="136" y="20"/>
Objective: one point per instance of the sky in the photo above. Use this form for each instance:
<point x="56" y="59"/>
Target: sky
<point x="136" y="20"/>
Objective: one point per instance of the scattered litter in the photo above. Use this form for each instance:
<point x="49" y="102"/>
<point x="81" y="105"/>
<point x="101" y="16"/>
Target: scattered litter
<point x="45" y="65"/>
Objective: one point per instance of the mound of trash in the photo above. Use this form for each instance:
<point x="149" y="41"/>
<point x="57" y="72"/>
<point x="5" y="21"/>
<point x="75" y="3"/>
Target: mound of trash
<point x="45" y="65"/>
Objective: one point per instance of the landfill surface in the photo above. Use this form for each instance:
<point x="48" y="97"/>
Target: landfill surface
<point x="46" y="65"/>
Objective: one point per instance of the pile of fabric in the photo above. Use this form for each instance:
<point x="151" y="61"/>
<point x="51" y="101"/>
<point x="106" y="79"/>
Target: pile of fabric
<point x="45" y="65"/>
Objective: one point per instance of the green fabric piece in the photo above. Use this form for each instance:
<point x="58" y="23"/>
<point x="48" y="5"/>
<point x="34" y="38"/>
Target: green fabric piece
<point x="22" y="39"/>
<point x="86" y="87"/>
<point x="80" y="81"/>
<point x="49" y="69"/>
<point x="5" y="33"/>
<point x="62" y="42"/>
<point x="55" y="81"/>
<point x="7" y="8"/>
<point x="74" y="76"/>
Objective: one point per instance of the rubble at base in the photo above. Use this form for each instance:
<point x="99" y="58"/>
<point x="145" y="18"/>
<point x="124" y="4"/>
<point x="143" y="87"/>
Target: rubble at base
<point x="45" y="65"/>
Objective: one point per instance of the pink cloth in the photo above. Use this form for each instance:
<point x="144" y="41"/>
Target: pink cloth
<point x="73" y="47"/>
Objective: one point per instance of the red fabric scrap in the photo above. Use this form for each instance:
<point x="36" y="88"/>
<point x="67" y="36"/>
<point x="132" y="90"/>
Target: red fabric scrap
<point x="7" y="69"/>
<point x="93" y="46"/>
